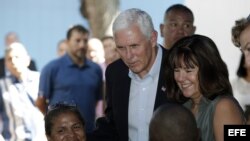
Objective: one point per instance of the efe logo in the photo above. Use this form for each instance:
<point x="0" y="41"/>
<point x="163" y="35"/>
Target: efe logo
<point x="236" y="132"/>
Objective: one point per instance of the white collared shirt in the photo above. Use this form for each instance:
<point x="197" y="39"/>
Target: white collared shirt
<point x="142" y="100"/>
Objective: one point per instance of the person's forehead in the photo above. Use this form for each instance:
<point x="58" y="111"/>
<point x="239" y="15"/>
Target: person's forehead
<point x="76" y="33"/>
<point x="244" y="37"/>
<point x="246" y="30"/>
<point x="179" y="15"/>
<point x="132" y="30"/>
<point x="12" y="37"/>
<point x="245" y="33"/>
<point x="14" y="54"/>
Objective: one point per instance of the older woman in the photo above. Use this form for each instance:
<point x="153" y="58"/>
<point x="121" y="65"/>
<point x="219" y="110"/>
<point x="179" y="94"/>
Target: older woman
<point x="197" y="72"/>
<point x="241" y="85"/>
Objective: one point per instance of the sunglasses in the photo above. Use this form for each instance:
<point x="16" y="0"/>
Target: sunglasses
<point x="61" y="104"/>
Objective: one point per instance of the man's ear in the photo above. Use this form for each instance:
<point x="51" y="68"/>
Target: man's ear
<point x="153" y="37"/>
<point x="27" y="61"/>
<point x="161" y="29"/>
<point x="194" y="29"/>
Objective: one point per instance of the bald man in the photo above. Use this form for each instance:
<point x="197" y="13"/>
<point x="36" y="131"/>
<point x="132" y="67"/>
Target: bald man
<point x="178" y="23"/>
<point x="173" y="122"/>
<point x="10" y="38"/>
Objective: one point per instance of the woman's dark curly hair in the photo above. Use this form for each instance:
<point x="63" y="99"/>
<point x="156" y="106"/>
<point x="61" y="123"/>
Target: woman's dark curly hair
<point x="237" y="29"/>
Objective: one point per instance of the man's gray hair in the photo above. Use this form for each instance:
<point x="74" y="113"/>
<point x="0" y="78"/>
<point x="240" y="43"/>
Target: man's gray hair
<point x="137" y="17"/>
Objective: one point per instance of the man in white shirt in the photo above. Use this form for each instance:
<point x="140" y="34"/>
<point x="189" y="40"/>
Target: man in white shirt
<point x="134" y="83"/>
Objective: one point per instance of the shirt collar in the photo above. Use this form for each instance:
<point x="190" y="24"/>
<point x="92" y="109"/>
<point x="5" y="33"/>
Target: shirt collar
<point x="14" y="79"/>
<point x="69" y="62"/>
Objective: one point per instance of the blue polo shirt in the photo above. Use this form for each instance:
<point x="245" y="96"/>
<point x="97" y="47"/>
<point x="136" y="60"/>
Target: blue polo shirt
<point x="62" y="80"/>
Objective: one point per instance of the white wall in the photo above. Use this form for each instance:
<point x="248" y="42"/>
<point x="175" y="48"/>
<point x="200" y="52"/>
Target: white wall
<point x="215" y="18"/>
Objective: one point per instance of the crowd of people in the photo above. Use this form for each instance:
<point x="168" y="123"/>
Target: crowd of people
<point x="127" y="87"/>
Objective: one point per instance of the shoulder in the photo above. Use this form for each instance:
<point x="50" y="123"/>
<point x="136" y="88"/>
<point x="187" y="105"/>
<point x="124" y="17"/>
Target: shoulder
<point x="52" y="66"/>
<point x="228" y="106"/>
<point x="117" y="65"/>
<point x="227" y="112"/>
<point x="54" y="63"/>
<point x="93" y="64"/>
<point x="115" y="69"/>
<point x="118" y="62"/>
<point x="226" y="103"/>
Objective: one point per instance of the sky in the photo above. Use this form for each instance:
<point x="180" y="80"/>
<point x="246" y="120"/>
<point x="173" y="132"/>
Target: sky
<point x="41" y="24"/>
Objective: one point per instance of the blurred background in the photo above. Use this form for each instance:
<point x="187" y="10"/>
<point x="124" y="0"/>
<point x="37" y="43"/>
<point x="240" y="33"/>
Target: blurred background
<point x="41" y="24"/>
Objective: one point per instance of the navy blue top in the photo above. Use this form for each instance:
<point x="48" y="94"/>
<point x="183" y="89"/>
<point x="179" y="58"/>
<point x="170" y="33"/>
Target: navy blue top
<point x="62" y="80"/>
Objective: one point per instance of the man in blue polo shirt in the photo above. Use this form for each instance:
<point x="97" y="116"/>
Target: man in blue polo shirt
<point x="73" y="78"/>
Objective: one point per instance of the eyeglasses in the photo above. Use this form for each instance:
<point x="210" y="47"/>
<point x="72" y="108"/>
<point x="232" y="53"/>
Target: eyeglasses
<point x="61" y="104"/>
